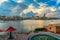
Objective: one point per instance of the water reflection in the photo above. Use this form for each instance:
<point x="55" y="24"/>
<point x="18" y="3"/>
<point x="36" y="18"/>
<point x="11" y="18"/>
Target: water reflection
<point x="26" y="25"/>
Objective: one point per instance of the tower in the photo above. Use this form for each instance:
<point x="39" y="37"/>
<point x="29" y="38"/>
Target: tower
<point x="44" y="17"/>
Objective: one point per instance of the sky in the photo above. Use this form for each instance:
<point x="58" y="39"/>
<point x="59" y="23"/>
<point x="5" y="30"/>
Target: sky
<point x="28" y="8"/>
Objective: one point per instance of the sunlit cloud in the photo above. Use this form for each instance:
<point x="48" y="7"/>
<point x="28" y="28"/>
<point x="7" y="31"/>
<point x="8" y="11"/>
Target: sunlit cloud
<point x="18" y="1"/>
<point x="34" y="10"/>
<point x="30" y="8"/>
<point x="52" y="11"/>
<point x="52" y="8"/>
<point x="43" y="8"/>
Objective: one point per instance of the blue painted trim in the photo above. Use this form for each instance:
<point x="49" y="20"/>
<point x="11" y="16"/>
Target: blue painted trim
<point x="43" y="34"/>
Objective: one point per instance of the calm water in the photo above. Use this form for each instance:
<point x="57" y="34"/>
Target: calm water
<point x="26" y="25"/>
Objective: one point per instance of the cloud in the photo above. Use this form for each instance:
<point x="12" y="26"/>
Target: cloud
<point x="34" y="0"/>
<point x="42" y="4"/>
<point x="30" y="8"/>
<point x="58" y="1"/>
<point x="23" y="9"/>
<point x="11" y="8"/>
<point x="52" y="8"/>
<point x="14" y="11"/>
<point x="59" y="8"/>
<point x="43" y="8"/>
<point x="1" y="1"/>
<point x="19" y="1"/>
<point x="52" y="12"/>
<point x="34" y="10"/>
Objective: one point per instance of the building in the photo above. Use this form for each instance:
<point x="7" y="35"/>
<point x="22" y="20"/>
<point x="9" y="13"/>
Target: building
<point x="53" y="28"/>
<point x="44" y="17"/>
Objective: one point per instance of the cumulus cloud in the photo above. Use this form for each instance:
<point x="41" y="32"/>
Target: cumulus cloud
<point x="34" y="10"/>
<point x="30" y="8"/>
<point x="43" y="8"/>
<point x="52" y="8"/>
<point x="52" y="12"/>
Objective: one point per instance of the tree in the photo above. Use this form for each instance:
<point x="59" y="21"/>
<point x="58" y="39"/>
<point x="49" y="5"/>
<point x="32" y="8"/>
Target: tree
<point x="39" y="29"/>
